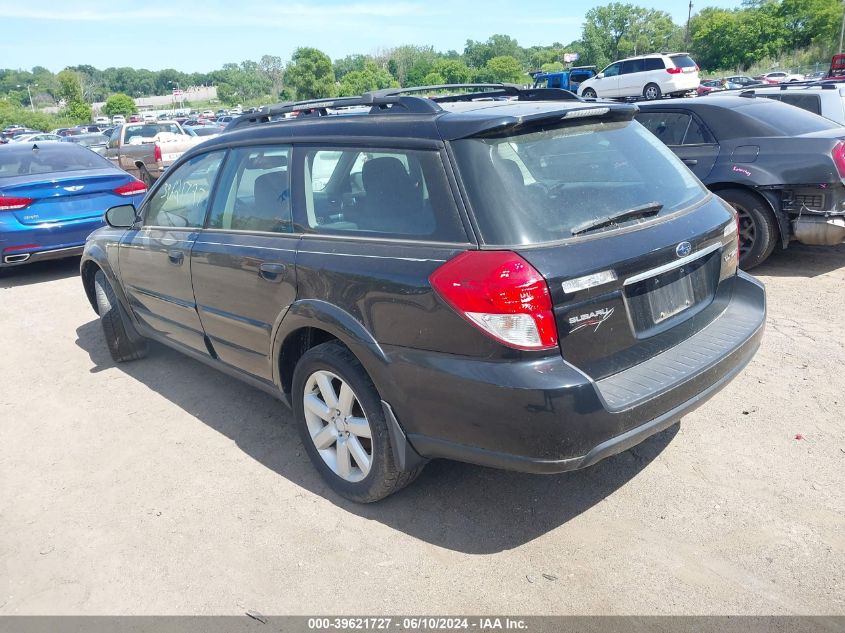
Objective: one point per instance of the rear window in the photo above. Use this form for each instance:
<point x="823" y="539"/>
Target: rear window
<point x="149" y="130"/>
<point x="786" y="121"/>
<point x="683" y="61"/>
<point x="809" y="102"/>
<point x="540" y="186"/>
<point x="48" y="158"/>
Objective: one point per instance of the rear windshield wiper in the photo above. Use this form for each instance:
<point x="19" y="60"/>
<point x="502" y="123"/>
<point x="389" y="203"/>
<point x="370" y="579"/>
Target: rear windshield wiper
<point x="644" y="210"/>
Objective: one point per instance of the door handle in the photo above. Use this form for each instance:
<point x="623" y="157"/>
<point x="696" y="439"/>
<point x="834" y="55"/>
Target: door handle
<point x="690" y="161"/>
<point x="271" y="272"/>
<point x="176" y="257"/>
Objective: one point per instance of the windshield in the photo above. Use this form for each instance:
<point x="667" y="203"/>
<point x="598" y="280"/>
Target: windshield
<point x="540" y="186"/>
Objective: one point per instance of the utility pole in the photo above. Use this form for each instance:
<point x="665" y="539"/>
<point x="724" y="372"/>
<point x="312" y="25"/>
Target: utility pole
<point x="689" y="16"/>
<point x="29" y="92"/>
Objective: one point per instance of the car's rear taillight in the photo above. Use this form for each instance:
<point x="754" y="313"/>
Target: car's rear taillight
<point x="11" y="203"/>
<point x="131" y="188"/>
<point x="501" y="294"/>
<point x="157" y="153"/>
<point x="838" y="155"/>
<point x="673" y="71"/>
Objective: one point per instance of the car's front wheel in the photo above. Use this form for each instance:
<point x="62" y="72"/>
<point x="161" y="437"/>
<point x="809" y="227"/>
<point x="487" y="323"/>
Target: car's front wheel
<point x="122" y="338"/>
<point x="589" y="93"/>
<point x="343" y="427"/>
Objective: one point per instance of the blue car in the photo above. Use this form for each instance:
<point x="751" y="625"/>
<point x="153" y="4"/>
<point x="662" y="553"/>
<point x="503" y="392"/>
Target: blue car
<point x="52" y="196"/>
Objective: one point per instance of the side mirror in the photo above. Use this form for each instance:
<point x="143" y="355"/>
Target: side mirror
<point x="122" y="216"/>
<point x="600" y="75"/>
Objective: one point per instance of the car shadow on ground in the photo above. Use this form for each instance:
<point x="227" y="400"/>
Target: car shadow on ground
<point x="38" y="272"/>
<point x="800" y="260"/>
<point x="455" y="506"/>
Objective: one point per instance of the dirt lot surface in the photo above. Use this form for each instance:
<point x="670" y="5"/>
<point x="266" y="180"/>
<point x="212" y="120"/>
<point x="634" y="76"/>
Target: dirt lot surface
<point x="164" y="487"/>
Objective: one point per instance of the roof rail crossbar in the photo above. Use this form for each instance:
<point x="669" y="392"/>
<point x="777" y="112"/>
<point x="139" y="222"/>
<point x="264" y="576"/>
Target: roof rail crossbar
<point x="482" y="91"/>
<point x="321" y="107"/>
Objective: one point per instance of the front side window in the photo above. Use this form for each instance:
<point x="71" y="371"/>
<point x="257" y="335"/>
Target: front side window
<point x="389" y="193"/>
<point x="612" y="70"/>
<point x="254" y="193"/>
<point x="543" y="186"/>
<point x="182" y="199"/>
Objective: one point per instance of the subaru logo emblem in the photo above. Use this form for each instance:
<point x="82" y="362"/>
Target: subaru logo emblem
<point x="683" y="249"/>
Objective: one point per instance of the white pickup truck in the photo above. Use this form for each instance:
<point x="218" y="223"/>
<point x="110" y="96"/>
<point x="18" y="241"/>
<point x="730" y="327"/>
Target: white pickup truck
<point x="145" y="150"/>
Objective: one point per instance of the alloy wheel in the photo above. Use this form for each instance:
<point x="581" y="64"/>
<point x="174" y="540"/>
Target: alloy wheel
<point x="338" y="425"/>
<point x="747" y="231"/>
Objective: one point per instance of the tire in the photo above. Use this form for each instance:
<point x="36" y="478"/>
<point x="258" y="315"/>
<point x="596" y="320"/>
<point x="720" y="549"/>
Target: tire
<point x="589" y="93"/>
<point x="122" y="338"/>
<point x="758" y="232"/>
<point x="652" y="92"/>
<point x="332" y="367"/>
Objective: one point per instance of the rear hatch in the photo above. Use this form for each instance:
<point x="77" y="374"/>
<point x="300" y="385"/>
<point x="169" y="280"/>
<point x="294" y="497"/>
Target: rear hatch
<point x="632" y="246"/>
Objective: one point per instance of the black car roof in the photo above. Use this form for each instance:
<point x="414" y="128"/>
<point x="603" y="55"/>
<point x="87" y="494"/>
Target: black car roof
<point x="419" y="119"/>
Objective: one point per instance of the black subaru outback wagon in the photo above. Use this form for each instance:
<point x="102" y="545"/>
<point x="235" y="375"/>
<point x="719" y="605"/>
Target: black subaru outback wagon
<point x="518" y="279"/>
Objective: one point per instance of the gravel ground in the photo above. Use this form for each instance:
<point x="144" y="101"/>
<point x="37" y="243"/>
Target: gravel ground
<point x="164" y="487"/>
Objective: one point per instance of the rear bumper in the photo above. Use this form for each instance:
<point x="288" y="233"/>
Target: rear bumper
<point x="21" y="244"/>
<point x="545" y="416"/>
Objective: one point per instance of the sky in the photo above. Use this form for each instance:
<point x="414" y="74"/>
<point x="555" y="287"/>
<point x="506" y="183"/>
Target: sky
<point x="201" y="36"/>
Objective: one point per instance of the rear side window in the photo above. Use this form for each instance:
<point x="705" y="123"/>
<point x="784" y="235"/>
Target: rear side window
<point x="683" y="61"/>
<point x="380" y="193"/>
<point x="254" y="192"/>
<point x="808" y="102"/>
<point x="633" y="66"/>
<point x="788" y="121"/>
<point x="48" y="158"/>
<point x="674" y="128"/>
<point x="540" y="186"/>
<point x="654" y="63"/>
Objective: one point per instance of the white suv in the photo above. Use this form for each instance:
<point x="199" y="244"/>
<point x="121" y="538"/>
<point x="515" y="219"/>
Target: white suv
<point x="648" y="76"/>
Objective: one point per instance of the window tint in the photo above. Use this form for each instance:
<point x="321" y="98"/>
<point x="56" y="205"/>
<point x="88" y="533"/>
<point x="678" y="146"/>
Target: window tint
<point x="788" y="121"/>
<point x="808" y="102"/>
<point x="683" y="61"/>
<point x="48" y="158"/>
<point x="633" y="66"/>
<point x="612" y="70"/>
<point x="254" y="193"/>
<point x="669" y="127"/>
<point x="654" y="63"/>
<point x="380" y="193"/>
<point x="539" y="186"/>
<point x="578" y="77"/>
<point x="696" y="134"/>
<point x="182" y="199"/>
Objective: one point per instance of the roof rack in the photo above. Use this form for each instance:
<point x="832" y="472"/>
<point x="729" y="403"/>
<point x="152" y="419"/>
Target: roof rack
<point x="481" y="91"/>
<point x="401" y="100"/>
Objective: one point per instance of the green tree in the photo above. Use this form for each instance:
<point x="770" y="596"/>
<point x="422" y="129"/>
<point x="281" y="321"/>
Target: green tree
<point x="310" y="74"/>
<point x="350" y="63"/>
<point x="371" y="77"/>
<point x="119" y="103"/>
<point x="477" y="54"/>
<point x="505" y="69"/>
<point x="452" y="71"/>
<point x="70" y="90"/>
<point x="273" y="70"/>
<point x="552" y="67"/>
<point x="434" y="79"/>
